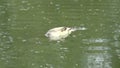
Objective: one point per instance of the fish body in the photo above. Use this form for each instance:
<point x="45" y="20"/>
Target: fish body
<point x="59" y="33"/>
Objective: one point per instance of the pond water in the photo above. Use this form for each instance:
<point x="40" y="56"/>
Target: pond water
<point x="23" y="24"/>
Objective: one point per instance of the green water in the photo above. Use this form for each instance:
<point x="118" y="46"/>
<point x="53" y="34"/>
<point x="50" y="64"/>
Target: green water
<point x="23" y="24"/>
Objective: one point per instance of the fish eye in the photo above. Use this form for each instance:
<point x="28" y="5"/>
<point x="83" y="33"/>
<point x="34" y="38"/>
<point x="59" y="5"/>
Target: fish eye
<point x="64" y="28"/>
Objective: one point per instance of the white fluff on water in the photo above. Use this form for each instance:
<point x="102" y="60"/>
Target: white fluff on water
<point x="60" y="33"/>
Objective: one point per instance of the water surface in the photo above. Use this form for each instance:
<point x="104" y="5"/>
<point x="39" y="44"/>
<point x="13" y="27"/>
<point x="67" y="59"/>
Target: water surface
<point x="23" y="25"/>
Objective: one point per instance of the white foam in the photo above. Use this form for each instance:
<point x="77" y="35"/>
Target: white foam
<point x="78" y="28"/>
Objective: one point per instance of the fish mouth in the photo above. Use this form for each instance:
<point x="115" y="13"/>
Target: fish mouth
<point x="47" y="34"/>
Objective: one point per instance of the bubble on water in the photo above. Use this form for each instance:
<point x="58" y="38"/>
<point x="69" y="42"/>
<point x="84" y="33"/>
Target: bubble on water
<point x="62" y="57"/>
<point x="45" y="18"/>
<point x="47" y="65"/>
<point x="3" y="12"/>
<point x="38" y="42"/>
<point x="33" y="15"/>
<point x="2" y="24"/>
<point x="96" y="60"/>
<point x="32" y="7"/>
<point x="99" y="48"/>
<point x="99" y="59"/>
<point x="97" y="9"/>
<point x="58" y="8"/>
<point x="117" y="51"/>
<point x="103" y="10"/>
<point x="75" y="0"/>
<point x="41" y="66"/>
<point x="41" y="51"/>
<point x="95" y="13"/>
<point x="76" y="64"/>
<point x="36" y="52"/>
<point x="51" y="3"/>
<point x="89" y="9"/>
<point x="4" y="36"/>
<point x="64" y="48"/>
<point x="49" y="22"/>
<point x="82" y="28"/>
<point x="1" y="6"/>
<point x="38" y="6"/>
<point x="42" y="12"/>
<point x="74" y="36"/>
<point x="24" y="40"/>
<point x="81" y="5"/>
<point x="24" y="8"/>
<point x="97" y="40"/>
<point x="24" y="1"/>
<point x="57" y="5"/>
<point x="33" y="64"/>
<point x="9" y="19"/>
<point x="96" y="30"/>
<point x="2" y="58"/>
<point x="10" y="39"/>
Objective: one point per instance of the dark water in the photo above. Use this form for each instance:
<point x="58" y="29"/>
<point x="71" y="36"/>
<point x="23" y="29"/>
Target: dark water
<point x="23" y="24"/>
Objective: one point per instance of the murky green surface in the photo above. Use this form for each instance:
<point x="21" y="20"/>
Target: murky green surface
<point x="23" y="24"/>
